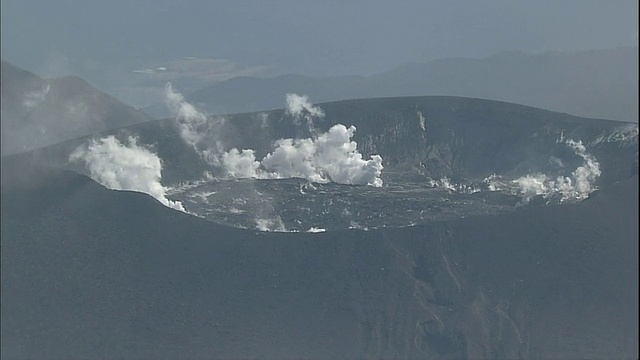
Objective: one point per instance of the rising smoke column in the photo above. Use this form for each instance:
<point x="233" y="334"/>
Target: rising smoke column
<point x="128" y="166"/>
<point x="195" y="127"/>
<point x="330" y="156"/>
<point x="300" y="107"/>
<point x="584" y="177"/>
<point x="533" y="185"/>
<point x="274" y="225"/>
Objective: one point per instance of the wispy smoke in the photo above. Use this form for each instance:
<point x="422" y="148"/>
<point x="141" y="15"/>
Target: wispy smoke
<point x="576" y="187"/>
<point x="241" y="164"/>
<point x="125" y="167"/>
<point x="300" y="107"/>
<point x="355" y="225"/>
<point x="275" y="225"/>
<point x="556" y="161"/>
<point x="421" y="121"/>
<point x="584" y="177"/>
<point x="316" y="230"/>
<point x="493" y="182"/>
<point x="624" y="135"/>
<point x="33" y="99"/>
<point x="194" y="125"/>
<point x="451" y="187"/>
<point x="533" y="185"/>
<point x="263" y="118"/>
<point x="330" y="156"/>
<point x="297" y="105"/>
<point x="191" y="121"/>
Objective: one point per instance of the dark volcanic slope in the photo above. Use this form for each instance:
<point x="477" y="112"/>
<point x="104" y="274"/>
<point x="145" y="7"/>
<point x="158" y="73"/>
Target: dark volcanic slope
<point x="38" y="112"/>
<point x="461" y="137"/>
<point x="92" y="273"/>
<point x="421" y="140"/>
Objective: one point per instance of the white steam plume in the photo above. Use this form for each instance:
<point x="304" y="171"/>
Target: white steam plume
<point x="125" y="167"/>
<point x="300" y="106"/>
<point x="297" y="105"/>
<point x="194" y="125"/>
<point x="421" y="121"/>
<point x="331" y="156"/>
<point x="624" y="135"/>
<point x="576" y="187"/>
<point x="532" y="185"/>
<point x="241" y="164"/>
<point x="584" y="177"/>
<point x="451" y="187"/>
<point x="275" y="225"/>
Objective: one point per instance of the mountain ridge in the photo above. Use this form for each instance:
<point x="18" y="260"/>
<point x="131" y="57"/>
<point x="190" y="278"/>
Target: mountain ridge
<point x="391" y="127"/>
<point x="38" y="112"/>
<point x="597" y="83"/>
<point x="441" y="158"/>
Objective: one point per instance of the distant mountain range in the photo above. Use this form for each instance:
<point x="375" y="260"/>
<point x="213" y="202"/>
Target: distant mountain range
<point x="596" y="84"/>
<point x="38" y="112"/>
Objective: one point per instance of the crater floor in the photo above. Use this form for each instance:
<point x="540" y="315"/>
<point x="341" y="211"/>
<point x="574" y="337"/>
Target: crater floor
<point x="297" y="205"/>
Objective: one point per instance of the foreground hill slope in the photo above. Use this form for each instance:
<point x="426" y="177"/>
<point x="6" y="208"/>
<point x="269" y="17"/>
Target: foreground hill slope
<point x="93" y="273"/>
<point x="38" y="112"/>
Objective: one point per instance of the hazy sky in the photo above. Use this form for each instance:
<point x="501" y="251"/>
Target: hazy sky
<point x="105" y="41"/>
<point x="316" y="37"/>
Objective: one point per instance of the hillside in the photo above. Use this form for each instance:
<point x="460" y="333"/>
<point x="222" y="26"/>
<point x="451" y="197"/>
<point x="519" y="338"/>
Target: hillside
<point x="39" y="112"/>
<point x="417" y="137"/>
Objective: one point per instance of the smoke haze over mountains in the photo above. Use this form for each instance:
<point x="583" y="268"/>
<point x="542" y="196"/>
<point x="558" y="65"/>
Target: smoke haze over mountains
<point x="597" y="84"/>
<point x="305" y="37"/>
<point x="39" y="112"/>
<point x="134" y="57"/>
